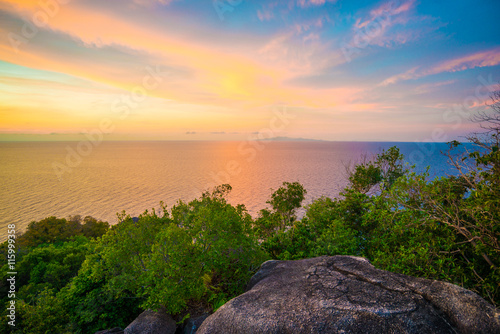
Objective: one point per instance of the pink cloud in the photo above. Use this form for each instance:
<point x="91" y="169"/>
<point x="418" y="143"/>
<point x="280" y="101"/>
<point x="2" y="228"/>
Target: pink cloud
<point x="316" y="23"/>
<point x="265" y="14"/>
<point x="267" y="11"/>
<point x="387" y="9"/>
<point x="311" y="37"/>
<point x="153" y="2"/>
<point x="404" y="7"/>
<point x="426" y="88"/>
<point x="478" y="59"/>
<point x="307" y="3"/>
<point x="374" y="30"/>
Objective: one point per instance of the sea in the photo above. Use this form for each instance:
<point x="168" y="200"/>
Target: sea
<point x="42" y="179"/>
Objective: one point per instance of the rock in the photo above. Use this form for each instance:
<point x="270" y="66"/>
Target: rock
<point x="116" y="330"/>
<point x="193" y="324"/>
<point x="152" y="322"/>
<point x="346" y="294"/>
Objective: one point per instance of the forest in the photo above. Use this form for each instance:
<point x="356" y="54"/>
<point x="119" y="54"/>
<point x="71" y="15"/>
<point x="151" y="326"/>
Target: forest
<point x="81" y="275"/>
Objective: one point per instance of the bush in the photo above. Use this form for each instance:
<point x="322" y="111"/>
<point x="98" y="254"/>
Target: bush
<point x="205" y="252"/>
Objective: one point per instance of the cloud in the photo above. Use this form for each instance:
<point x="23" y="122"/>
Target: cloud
<point x="311" y="37"/>
<point x="410" y="74"/>
<point x="267" y="11"/>
<point x="213" y="69"/>
<point x="301" y="52"/>
<point x="265" y="14"/>
<point x="215" y="77"/>
<point x="309" y="3"/>
<point x="478" y="59"/>
<point x="153" y="2"/>
<point x="393" y="8"/>
<point x="284" y="9"/>
<point x="119" y="44"/>
<point x="431" y="87"/>
<point x="376" y="28"/>
<point x="310" y="24"/>
<point x="386" y="13"/>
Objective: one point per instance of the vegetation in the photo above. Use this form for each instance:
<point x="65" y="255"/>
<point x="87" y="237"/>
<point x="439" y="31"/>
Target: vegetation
<point x="79" y="276"/>
<point x="49" y="255"/>
<point x="52" y="230"/>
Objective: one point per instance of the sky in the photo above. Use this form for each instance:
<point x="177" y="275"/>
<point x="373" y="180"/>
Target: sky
<point x="402" y="70"/>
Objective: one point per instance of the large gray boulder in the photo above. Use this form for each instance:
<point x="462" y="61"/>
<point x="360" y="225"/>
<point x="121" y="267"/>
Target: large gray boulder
<point x="152" y="322"/>
<point x="346" y="294"/>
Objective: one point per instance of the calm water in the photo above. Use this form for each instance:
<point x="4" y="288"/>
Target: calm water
<point x="135" y="176"/>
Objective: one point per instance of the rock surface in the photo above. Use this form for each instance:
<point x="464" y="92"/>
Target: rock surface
<point x="152" y="322"/>
<point x="193" y="324"/>
<point x="345" y="294"/>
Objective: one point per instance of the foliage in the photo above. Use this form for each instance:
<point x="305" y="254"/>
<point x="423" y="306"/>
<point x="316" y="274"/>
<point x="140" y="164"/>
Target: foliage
<point x="90" y="305"/>
<point x="53" y="230"/>
<point x="48" y="267"/>
<point x="284" y="202"/>
<point x="318" y="233"/>
<point x="383" y="170"/>
<point x="40" y="273"/>
<point x="147" y="258"/>
<point x="46" y="315"/>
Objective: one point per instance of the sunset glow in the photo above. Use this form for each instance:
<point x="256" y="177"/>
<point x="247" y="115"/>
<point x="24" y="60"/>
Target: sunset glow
<point x="203" y="70"/>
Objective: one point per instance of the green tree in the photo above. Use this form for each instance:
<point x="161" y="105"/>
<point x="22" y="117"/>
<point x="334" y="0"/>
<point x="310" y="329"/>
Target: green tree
<point x="45" y="315"/>
<point x="90" y="305"/>
<point x="52" y="230"/>
<point x="41" y="273"/>
<point x="383" y="170"/>
<point x="202" y="253"/>
<point x="284" y="202"/>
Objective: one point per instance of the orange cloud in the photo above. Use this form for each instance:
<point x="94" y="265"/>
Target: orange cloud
<point x="225" y="78"/>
